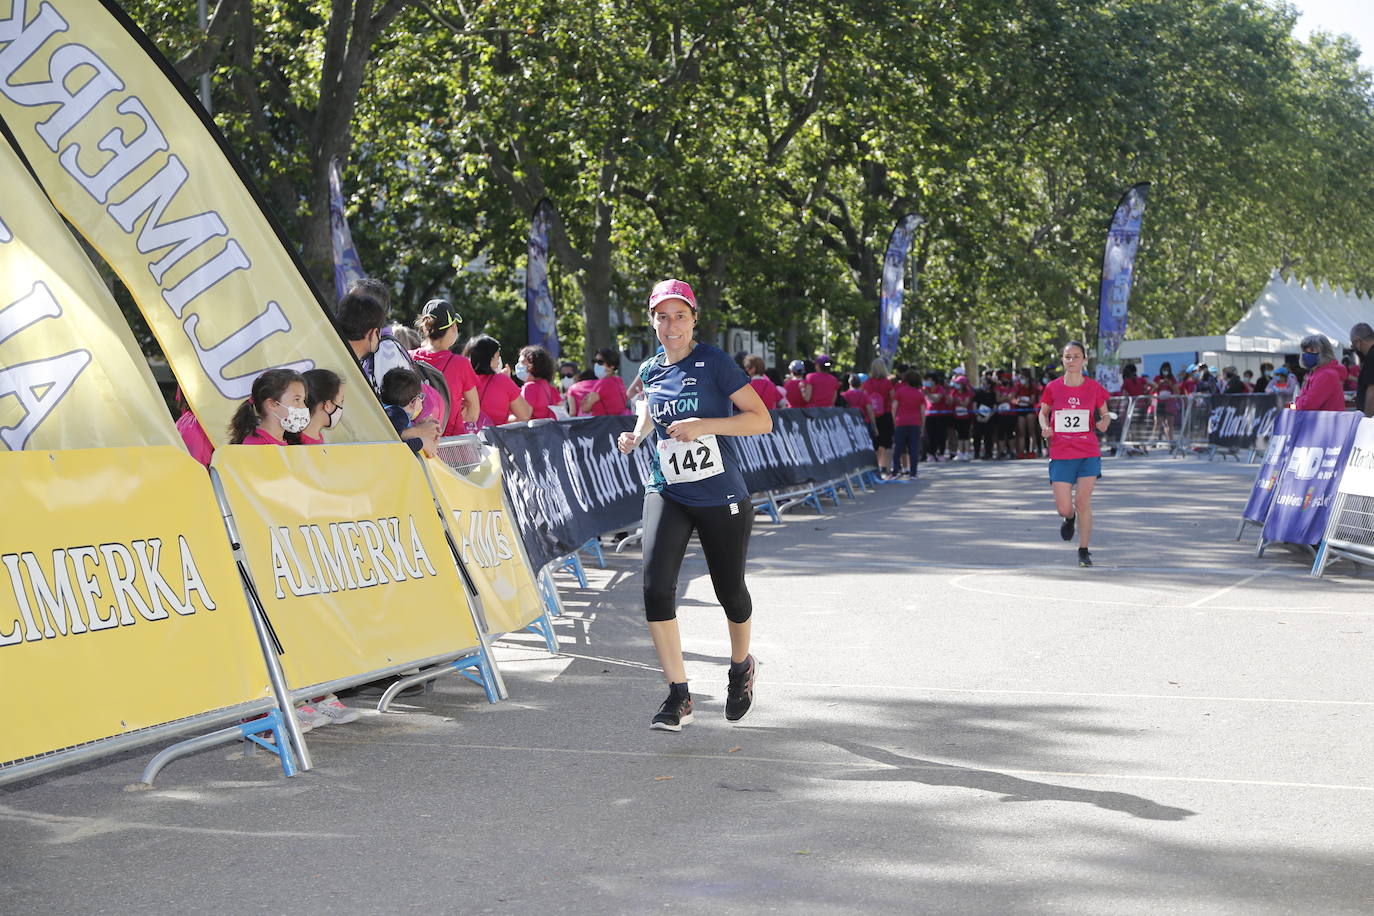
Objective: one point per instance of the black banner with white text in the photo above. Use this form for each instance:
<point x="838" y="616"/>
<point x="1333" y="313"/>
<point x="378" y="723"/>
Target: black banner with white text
<point x="567" y="482"/>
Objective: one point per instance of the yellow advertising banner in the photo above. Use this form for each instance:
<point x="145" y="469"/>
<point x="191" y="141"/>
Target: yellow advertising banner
<point x="488" y="543"/>
<point x="129" y="159"/>
<point x="348" y="555"/>
<point x="121" y="607"/>
<point x="71" y="374"/>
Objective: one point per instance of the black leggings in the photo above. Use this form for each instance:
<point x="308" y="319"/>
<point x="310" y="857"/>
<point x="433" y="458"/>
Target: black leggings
<point x="724" y="535"/>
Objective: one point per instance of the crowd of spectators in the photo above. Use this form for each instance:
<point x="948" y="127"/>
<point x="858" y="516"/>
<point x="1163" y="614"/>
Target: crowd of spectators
<point x="430" y="386"/>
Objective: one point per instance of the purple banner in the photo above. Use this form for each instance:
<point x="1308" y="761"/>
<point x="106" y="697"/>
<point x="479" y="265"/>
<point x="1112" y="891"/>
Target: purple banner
<point x="540" y="314"/>
<point x="1306" y="487"/>
<point x="1118" y="270"/>
<point x="894" y="277"/>
<point x="348" y="269"/>
<point x="1271" y="467"/>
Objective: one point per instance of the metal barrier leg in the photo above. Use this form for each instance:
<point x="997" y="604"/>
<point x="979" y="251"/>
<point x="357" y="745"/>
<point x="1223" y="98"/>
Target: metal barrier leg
<point x="573" y="562"/>
<point x="543" y="626"/>
<point x="594" y="545"/>
<point x="248" y="731"/>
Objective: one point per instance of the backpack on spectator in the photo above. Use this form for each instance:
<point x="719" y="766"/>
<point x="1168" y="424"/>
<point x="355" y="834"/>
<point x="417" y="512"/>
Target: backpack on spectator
<point x="391" y="355"/>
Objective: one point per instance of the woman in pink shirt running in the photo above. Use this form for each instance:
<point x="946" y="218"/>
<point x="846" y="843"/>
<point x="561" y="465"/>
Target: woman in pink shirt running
<point x="1073" y="409"/>
<point x="275" y="408"/>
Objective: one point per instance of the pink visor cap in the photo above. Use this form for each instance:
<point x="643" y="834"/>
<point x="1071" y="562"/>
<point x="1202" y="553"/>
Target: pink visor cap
<point x="672" y="289"/>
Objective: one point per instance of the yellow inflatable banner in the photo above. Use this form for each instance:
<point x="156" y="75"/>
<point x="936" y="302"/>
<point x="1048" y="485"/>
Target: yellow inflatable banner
<point x="131" y="161"/>
<point x="488" y="543"/>
<point x="71" y="374"/>
<point x="348" y="555"/>
<point x="120" y="607"/>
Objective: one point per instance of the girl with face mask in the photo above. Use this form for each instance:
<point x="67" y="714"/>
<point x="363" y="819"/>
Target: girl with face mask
<point x="534" y="371"/>
<point x="608" y="397"/>
<point x="275" y="408"/>
<point x="324" y="398"/>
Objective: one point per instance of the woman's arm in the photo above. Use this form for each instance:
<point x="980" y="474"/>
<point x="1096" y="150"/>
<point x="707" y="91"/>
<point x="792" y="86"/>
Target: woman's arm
<point x="753" y="418"/>
<point x="628" y="442"/>
<point x="471" y="406"/>
<point x="1045" y="428"/>
<point x="520" y="408"/>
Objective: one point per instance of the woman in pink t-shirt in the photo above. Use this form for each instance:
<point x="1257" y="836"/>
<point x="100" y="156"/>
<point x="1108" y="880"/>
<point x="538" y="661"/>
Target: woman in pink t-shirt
<point x="498" y="397"/>
<point x="757" y="371"/>
<point x="607" y="397"/>
<point x="535" y="369"/>
<point x="438" y="322"/>
<point x="878" y="387"/>
<point x="275" y="407"/>
<point x="1073" y="409"/>
<point x="909" y="408"/>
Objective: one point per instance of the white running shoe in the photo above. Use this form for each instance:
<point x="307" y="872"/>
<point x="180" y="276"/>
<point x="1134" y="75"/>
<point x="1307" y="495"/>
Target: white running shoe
<point x="310" y="717"/>
<point x="336" y="712"/>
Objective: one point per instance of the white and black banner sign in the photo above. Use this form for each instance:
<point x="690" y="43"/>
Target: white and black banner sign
<point x="567" y="482"/>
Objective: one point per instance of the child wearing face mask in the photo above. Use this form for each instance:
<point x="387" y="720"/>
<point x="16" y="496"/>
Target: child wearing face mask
<point x="324" y="399"/>
<point x="275" y="408"/>
<point x="401" y="397"/>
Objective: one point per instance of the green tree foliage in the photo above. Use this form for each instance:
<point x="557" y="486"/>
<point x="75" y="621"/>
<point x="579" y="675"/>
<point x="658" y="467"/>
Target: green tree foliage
<point x="763" y="150"/>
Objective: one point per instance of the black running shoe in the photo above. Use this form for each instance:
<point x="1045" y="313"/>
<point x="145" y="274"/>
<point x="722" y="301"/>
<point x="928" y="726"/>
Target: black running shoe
<point x="739" y="694"/>
<point x="1084" y="558"/>
<point x="673" y="714"/>
<point x="1066" y="528"/>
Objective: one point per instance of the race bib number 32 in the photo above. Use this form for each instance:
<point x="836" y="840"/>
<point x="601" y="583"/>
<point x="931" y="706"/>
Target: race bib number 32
<point x="1071" y="421"/>
<point x="688" y="462"/>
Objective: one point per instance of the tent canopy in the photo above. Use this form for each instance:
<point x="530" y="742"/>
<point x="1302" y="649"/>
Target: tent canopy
<point x="1291" y="311"/>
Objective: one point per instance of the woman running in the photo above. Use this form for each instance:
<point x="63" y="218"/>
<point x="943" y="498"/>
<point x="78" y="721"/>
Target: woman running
<point x="1066" y="421"/>
<point x="695" y="393"/>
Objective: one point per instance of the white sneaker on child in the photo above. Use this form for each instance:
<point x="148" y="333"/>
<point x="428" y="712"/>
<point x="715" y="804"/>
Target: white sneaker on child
<point x="310" y="717"/>
<point x="336" y="712"/>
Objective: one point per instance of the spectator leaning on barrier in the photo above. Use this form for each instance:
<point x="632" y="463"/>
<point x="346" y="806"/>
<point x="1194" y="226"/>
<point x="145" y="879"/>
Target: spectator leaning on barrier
<point x="498" y="396"/>
<point x="401" y="397"/>
<point x="1265" y="376"/>
<point x="361" y="315"/>
<point x="275" y="408"/>
<point x="608" y="397"/>
<point x="1324" y="386"/>
<point x="1362" y="342"/>
<point x="324" y="398"/>
<point x="438" y="324"/>
<point x="756" y="370"/>
<point x="535" y="372"/>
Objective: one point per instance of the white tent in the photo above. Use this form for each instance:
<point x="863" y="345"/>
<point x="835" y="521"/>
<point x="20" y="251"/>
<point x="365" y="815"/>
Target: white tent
<point x="1282" y="315"/>
<point x="1291" y="311"/>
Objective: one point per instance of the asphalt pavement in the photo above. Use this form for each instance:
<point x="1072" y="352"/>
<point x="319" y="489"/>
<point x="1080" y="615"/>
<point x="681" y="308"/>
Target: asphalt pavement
<point x="951" y="717"/>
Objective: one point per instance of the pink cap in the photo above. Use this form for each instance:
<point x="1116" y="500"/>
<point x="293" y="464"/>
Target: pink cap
<point x="672" y="289"/>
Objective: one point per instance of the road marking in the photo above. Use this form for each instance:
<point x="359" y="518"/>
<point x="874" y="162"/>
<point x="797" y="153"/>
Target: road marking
<point x="1221" y="591"/>
<point x="1059" y="600"/>
<point x="931" y="766"/>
